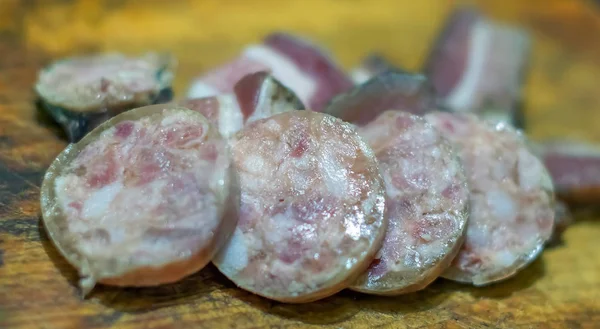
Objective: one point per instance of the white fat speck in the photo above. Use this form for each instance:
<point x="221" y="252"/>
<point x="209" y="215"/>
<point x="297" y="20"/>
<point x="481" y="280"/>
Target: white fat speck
<point x="350" y="262"/>
<point x="504" y="258"/>
<point x="284" y="70"/>
<point x="502" y="205"/>
<point x="335" y="178"/>
<point x="199" y="89"/>
<point x="99" y="201"/>
<point x="234" y="256"/>
<point x="461" y="98"/>
<point x="169" y="120"/>
<point x="254" y="164"/>
<point x="360" y="75"/>
<point x="231" y="119"/>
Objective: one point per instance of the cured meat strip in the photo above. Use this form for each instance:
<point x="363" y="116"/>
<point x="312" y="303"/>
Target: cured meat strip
<point x="256" y="96"/>
<point x="144" y="199"/>
<point x="388" y="91"/>
<point x="477" y="65"/>
<point x="512" y="208"/>
<point x="427" y="201"/>
<point x="562" y="220"/>
<point x="312" y="207"/>
<point x="371" y="66"/>
<point x="300" y="65"/>
<point x="574" y="167"/>
<point x="82" y="92"/>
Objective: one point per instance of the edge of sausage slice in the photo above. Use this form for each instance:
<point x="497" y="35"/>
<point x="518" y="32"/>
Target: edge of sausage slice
<point x="146" y="198"/>
<point x="312" y="213"/>
<point x="512" y="199"/>
<point x="427" y="201"/>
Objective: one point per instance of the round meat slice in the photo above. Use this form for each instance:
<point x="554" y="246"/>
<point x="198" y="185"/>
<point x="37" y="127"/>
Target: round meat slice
<point x="427" y="202"/>
<point x="312" y="207"/>
<point x="512" y="199"/>
<point x="82" y="92"/>
<point x="142" y="199"/>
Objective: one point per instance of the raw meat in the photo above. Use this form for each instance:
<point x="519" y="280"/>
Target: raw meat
<point x="146" y="198"/>
<point x="312" y="207"/>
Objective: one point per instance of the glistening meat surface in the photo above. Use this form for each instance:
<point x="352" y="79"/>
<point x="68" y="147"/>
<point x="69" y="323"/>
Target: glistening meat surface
<point x="427" y="201"/>
<point x="511" y="202"/>
<point x="146" y="198"/>
<point x="312" y="207"/>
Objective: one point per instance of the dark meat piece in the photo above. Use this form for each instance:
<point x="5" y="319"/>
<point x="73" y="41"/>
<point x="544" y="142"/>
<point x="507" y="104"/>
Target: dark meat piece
<point x="388" y="91"/>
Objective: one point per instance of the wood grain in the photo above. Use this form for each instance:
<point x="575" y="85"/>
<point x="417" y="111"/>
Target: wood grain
<point x="37" y="287"/>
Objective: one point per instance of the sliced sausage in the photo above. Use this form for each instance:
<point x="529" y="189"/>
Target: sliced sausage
<point x="255" y="96"/>
<point x="427" y="201"/>
<point x="82" y="92"/>
<point x="512" y="210"/>
<point x="312" y="207"/>
<point x="144" y="199"/>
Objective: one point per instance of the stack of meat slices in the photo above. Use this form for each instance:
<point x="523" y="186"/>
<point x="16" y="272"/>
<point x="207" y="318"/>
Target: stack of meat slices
<point x="380" y="188"/>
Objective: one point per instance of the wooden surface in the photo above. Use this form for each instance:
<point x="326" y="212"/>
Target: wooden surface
<point x="37" y="287"/>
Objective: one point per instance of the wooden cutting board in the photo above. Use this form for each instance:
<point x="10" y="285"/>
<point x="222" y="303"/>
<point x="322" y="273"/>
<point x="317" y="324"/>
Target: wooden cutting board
<point x="37" y="287"/>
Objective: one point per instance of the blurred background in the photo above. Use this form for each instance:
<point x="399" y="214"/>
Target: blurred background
<point x="565" y="68"/>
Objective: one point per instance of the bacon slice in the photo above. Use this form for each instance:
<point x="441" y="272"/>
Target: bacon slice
<point x="388" y="91"/>
<point x="256" y="96"/>
<point x="300" y="65"/>
<point x="512" y="199"/>
<point x="312" y="207"/>
<point x="574" y="167"/>
<point x="146" y="198"/>
<point x="477" y="65"/>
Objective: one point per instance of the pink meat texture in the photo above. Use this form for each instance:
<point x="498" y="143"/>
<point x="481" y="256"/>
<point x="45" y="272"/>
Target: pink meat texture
<point x="303" y="67"/>
<point x="312" y="207"/>
<point x="512" y="199"/>
<point x="255" y="96"/>
<point x="144" y="199"/>
<point x="477" y="65"/>
<point x="427" y="200"/>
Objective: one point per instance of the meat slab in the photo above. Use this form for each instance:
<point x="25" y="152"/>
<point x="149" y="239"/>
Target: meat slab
<point x="512" y="199"/>
<point x="146" y="198"/>
<point x="574" y="167"/>
<point x="312" y="207"/>
<point x="391" y="90"/>
<point x="477" y="65"/>
<point x="297" y="63"/>
<point x="427" y="201"/>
